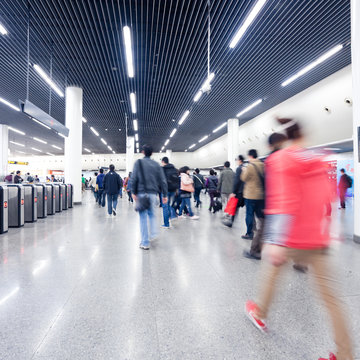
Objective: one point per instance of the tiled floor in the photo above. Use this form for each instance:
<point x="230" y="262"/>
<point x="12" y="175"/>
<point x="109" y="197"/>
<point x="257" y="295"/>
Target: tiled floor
<point x="76" y="286"/>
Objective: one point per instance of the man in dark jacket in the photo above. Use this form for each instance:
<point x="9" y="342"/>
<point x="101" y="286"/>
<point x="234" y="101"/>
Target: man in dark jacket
<point x="18" y="179"/>
<point x="344" y="184"/>
<point x="112" y="184"/>
<point x="100" y="186"/>
<point x="199" y="184"/>
<point x="147" y="181"/>
<point x="172" y="179"/>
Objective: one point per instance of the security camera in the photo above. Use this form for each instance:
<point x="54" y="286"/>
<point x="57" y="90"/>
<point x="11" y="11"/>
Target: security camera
<point x="327" y="109"/>
<point x="348" y="101"/>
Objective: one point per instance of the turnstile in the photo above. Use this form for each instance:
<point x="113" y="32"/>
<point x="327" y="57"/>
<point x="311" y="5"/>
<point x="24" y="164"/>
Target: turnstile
<point x="58" y="198"/>
<point x="30" y="202"/>
<point x="16" y="205"/>
<point x="41" y="200"/>
<point x="63" y="196"/>
<point x="69" y="195"/>
<point x="50" y="198"/>
<point x="4" y="218"/>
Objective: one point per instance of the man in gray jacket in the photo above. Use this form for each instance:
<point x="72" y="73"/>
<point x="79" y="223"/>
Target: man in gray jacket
<point x="226" y="182"/>
<point x="148" y="180"/>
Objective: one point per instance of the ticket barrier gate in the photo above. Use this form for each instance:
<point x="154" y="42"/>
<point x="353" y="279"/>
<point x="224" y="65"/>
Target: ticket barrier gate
<point x="41" y="200"/>
<point x="69" y="195"/>
<point x="63" y="197"/>
<point x="4" y="215"/>
<point x="58" y="198"/>
<point x="30" y="202"/>
<point x="16" y="205"/>
<point x="50" y="194"/>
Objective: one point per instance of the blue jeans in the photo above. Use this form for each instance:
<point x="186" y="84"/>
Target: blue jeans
<point x="197" y="196"/>
<point x="112" y="202"/>
<point x="144" y="215"/>
<point x="186" y="202"/>
<point x="120" y="192"/>
<point x="101" y="197"/>
<point x="168" y="210"/>
<point x="253" y="207"/>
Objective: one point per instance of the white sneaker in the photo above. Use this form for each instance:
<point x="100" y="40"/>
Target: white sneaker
<point x="114" y="212"/>
<point x="194" y="217"/>
<point x="182" y="217"/>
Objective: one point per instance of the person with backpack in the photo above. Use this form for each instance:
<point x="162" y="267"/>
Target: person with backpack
<point x="211" y="185"/>
<point x="172" y="178"/>
<point x="29" y="178"/>
<point x="344" y="184"/>
<point x="199" y="184"/>
<point x="112" y="184"/>
<point x="254" y="182"/>
<point x="186" y="189"/>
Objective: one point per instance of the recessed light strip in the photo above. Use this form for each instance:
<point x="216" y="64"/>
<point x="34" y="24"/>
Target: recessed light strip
<point x="220" y="127"/>
<point x="40" y="123"/>
<point x="133" y="103"/>
<point x="185" y="115"/>
<point x="192" y="146"/>
<point x="15" y="143"/>
<point x="128" y="51"/>
<point x="9" y="104"/>
<point x="94" y="131"/>
<point x="103" y="141"/>
<point x="16" y="130"/>
<point x="257" y="102"/>
<point x="36" y="149"/>
<point x="135" y="125"/>
<point x="42" y="73"/>
<point x="39" y="140"/>
<point x="56" y="147"/>
<point x="87" y="150"/>
<point x="3" y="31"/>
<point x="203" y="138"/>
<point x="173" y="133"/>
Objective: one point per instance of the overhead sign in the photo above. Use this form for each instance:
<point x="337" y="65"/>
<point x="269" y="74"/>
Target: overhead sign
<point x="18" y="162"/>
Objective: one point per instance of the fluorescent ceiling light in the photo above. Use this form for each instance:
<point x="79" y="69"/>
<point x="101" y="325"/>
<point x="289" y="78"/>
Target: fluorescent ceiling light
<point x="257" y="102"/>
<point x="203" y="138"/>
<point x="207" y="82"/>
<point x="87" y="150"/>
<point x="21" y="152"/>
<point x="220" y="127"/>
<point x="50" y="154"/>
<point x="113" y="152"/>
<point x="192" y="146"/>
<point x="137" y="150"/>
<point x="198" y="96"/>
<point x="332" y="149"/>
<point x="186" y="150"/>
<point x="40" y="123"/>
<point x="162" y="148"/>
<point x="137" y="145"/>
<point x="39" y="140"/>
<point x="94" y="131"/>
<point x="42" y="73"/>
<point x="133" y="103"/>
<point x="15" y="143"/>
<point x="250" y="18"/>
<point x="16" y="130"/>
<point x="185" y="115"/>
<point x="84" y="120"/>
<point x="3" y="31"/>
<point x="128" y="51"/>
<point x="103" y="141"/>
<point x="135" y="125"/>
<point x="36" y="149"/>
<point x="56" y="147"/>
<point x="9" y="104"/>
<point x="63" y="136"/>
<point x="110" y="148"/>
<point x="318" y="61"/>
<point x="136" y="137"/>
<point x="166" y="142"/>
<point x="173" y="133"/>
<point x="93" y="153"/>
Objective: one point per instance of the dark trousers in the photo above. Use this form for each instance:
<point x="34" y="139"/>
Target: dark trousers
<point x="253" y="207"/>
<point x="197" y="196"/>
<point x="342" y="199"/>
<point x="101" y="197"/>
<point x="212" y="197"/>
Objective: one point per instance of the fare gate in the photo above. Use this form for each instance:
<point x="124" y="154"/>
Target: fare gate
<point x="50" y="194"/>
<point x="58" y="198"/>
<point x="30" y="203"/>
<point x="4" y="211"/>
<point x="16" y="205"/>
<point x="70" y="195"/>
<point x="63" y="196"/>
<point x="41" y="200"/>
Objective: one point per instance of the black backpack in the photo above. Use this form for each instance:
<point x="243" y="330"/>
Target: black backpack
<point x="172" y="177"/>
<point x="349" y="181"/>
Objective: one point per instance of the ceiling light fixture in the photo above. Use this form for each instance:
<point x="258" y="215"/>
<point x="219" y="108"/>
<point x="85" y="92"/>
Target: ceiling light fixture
<point x="135" y="125"/>
<point x="110" y="148"/>
<point x="318" y="61"/>
<point x="50" y="154"/>
<point x="250" y="18"/>
<point x="136" y="137"/>
<point x="39" y="140"/>
<point x="166" y="142"/>
<point x="103" y="141"/>
<point x="87" y="150"/>
<point x="3" y="31"/>
<point x="185" y="115"/>
<point x="173" y="133"/>
<point x="203" y="138"/>
<point x="137" y="150"/>
<point x="42" y="73"/>
<point x="113" y="152"/>
<point x="84" y="120"/>
<point x="15" y="143"/>
<point x="63" y="136"/>
<point x="192" y="146"/>
<point x="16" y="130"/>
<point x="40" y="123"/>
<point x="128" y="51"/>
<point x="137" y="145"/>
<point x="9" y="104"/>
<point x="133" y="103"/>
<point x="257" y="102"/>
<point x="21" y="152"/>
<point x="162" y="148"/>
<point x="220" y="127"/>
<point x="207" y="82"/>
<point x="198" y="96"/>
<point x="56" y="147"/>
<point x="94" y="131"/>
<point x="36" y="149"/>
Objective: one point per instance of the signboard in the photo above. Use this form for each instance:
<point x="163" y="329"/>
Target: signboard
<point x="18" y="162"/>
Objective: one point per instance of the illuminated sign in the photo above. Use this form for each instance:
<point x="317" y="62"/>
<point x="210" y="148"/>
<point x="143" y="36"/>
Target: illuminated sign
<point x="18" y="162"/>
<point x="5" y="204"/>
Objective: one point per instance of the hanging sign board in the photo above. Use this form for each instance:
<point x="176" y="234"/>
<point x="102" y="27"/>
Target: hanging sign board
<point x="18" y="162"/>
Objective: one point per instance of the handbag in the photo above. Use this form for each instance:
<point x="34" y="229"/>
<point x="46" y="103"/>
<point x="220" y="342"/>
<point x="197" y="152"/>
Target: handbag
<point x="143" y="201"/>
<point x="231" y="206"/>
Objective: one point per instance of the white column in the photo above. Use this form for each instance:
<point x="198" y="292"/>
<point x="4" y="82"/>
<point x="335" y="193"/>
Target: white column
<point x="233" y="141"/>
<point x="168" y="154"/>
<point x="4" y="152"/>
<point x="355" y="52"/>
<point x="73" y="143"/>
<point x="130" y="147"/>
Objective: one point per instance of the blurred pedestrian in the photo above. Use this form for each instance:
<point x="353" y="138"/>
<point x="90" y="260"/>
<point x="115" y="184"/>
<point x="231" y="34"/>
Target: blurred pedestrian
<point x="93" y="186"/>
<point x="211" y="185"/>
<point x="344" y="184"/>
<point x="112" y="184"/>
<point x="186" y="189"/>
<point x="18" y="179"/>
<point x="127" y="185"/>
<point x="225" y="185"/>
<point x="100" y="186"/>
<point x="199" y="184"/>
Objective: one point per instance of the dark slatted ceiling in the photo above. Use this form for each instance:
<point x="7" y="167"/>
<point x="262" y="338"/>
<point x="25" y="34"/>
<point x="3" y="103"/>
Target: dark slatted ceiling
<point x="170" y="58"/>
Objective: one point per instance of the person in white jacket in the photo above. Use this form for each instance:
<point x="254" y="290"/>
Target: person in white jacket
<point x="186" y="189"/>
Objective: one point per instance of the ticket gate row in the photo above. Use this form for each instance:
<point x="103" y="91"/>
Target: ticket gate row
<point x="28" y="202"/>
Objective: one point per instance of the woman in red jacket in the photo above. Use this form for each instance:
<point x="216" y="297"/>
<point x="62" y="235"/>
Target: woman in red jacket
<point x="297" y="191"/>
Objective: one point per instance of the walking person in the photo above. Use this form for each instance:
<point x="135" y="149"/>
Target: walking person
<point x="344" y="184"/>
<point x="127" y="186"/>
<point x="211" y="185"/>
<point x="294" y="230"/>
<point x="186" y="189"/>
<point x="172" y="178"/>
<point x="93" y="186"/>
<point x="18" y="179"/>
<point x="83" y="183"/>
<point x="199" y="184"/>
<point x="238" y="186"/>
<point x="253" y="178"/>
<point x="225" y="185"/>
<point x="147" y="181"/>
<point x="100" y="185"/>
<point x="112" y="184"/>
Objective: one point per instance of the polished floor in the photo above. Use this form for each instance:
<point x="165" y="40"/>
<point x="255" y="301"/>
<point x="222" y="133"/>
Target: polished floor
<point x="76" y="286"/>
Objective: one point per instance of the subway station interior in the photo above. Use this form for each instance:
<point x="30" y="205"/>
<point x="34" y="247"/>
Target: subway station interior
<point x="179" y="179"/>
